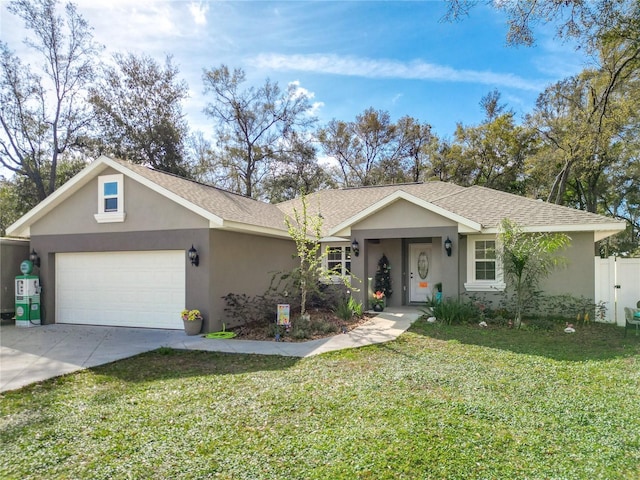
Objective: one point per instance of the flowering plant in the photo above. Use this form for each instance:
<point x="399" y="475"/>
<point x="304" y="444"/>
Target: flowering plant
<point x="378" y="298"/>
<point x="191" y="315"/>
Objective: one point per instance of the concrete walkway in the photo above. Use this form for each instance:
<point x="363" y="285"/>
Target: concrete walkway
<point x="29" y="355"/>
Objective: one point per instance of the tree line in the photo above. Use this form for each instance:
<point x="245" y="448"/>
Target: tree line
<point x="579" y="146"/>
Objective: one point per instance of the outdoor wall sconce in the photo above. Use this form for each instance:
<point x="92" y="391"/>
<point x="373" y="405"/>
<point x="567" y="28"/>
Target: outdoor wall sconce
<point x="355" y="247"/>
<point x="35" y="259"/>
<point x="448" y="244"/>
<point x="193" y="256"/>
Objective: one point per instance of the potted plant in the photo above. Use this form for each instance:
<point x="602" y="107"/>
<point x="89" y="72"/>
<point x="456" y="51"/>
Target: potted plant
<point x="378" y="301"/>
<point x="438" y="295"/>
<point x="192" y="320"/>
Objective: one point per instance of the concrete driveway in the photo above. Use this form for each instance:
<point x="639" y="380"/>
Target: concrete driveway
<point x="33" y="354"/>
<point x="29" y="355"/>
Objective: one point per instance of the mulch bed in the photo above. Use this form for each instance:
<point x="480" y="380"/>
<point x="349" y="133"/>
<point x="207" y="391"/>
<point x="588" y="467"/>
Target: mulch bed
<point x="260" y="332"/>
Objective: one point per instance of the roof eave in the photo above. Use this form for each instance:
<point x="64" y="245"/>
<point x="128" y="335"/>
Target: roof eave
<point x="334" y="239"/>
<point x="253" y="229"/>
<point x="22" y="226"/>
<point x="609" y="229"/>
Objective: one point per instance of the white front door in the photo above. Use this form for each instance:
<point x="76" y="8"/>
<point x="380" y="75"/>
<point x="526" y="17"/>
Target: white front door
<point x="424" y="271"/>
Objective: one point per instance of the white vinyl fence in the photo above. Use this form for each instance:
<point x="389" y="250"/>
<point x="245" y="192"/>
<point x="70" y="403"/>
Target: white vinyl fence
<point x="618" y="285"/>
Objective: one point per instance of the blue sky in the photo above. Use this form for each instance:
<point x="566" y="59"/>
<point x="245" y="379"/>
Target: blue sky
<point x="348" y="56"/>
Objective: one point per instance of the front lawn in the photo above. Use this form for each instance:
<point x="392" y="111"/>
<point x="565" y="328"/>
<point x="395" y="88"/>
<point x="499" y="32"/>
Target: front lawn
<point x="454" y="402"/>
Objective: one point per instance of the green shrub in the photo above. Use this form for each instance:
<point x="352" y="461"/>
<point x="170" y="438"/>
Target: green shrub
<point x="301" y="328"/>
<point x="326" y="295"/>
<point x="344" y="309"/>
<point x="347" y="308"/>
<point x="452" y="311"/>
<point x="261" y="310"/>
<point x="356" y="307"/>
<point x="257" y="310"/>
<point x="300" y="333"/>
<point x="323" y="326"/>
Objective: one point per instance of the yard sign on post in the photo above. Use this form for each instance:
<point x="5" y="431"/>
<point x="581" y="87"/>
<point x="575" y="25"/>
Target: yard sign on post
<point x="283" y="314"/>
<point x="283" y="318"/>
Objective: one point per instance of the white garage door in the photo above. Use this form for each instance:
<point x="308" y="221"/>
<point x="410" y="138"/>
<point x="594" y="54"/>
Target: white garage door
<point x="129" y="289"/>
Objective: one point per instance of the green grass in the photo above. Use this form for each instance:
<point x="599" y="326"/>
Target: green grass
<point x="454" y="402"/>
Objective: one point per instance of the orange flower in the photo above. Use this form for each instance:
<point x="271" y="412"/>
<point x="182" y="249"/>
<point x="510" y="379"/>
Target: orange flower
<point x="378" y="295"/>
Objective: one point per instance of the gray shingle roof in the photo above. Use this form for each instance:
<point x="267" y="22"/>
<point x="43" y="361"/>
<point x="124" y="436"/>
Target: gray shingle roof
<point x="337" y="206"/>
<point x="478" y="204"/>
<point x="488" y="207"/>
<point x="226" y="205"/>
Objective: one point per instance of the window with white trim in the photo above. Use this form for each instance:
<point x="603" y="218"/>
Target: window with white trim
<point x="338" y="261"/>
<point x="485" y="259"/>
<point x="484" y="269"/>
<point x="110" y="199"/>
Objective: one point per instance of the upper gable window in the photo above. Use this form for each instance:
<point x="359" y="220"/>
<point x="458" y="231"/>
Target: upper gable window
<point x="110" y="199"/>
<point x="110" y="196"/>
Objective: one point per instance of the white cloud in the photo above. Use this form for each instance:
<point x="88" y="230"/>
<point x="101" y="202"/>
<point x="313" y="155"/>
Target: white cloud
<point x="315" y="108"/>
<point x="328" y="161"/>
<point x="384" y="68"/>
<point x="199" y="12"/>
<point x="300" y="91"/>
<point x="303" y="92"/>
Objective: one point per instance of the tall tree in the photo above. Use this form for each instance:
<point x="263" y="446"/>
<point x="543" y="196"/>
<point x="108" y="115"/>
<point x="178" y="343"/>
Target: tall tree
<point x="297" y="170"/>
<point x="43" y="114"/>
<point x="491" y="154"/>
<point x="373" y="150"/>
<point x="253" y="124"/>
<point x="200" y="157"/>
<point x="578" y="19"/>
<point x="361" y="147"/>
<point x="582" y="121"/>
<point x="137" y="104"/>
<point x="12" y="207"/>
<point x="416" y="147"/>
<point x="621" y="196"/>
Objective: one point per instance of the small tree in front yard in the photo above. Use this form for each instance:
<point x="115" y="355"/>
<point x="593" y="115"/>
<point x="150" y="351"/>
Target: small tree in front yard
<point x="528" y="258"/>
<point x="305" y="230"/>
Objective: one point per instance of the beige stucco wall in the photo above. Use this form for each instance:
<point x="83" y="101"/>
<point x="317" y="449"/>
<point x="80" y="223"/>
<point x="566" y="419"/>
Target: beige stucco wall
<point x="145" y="210"/>
<point x="197" y="279"/>
<point x="12" y="253"/>
<point x="244" y="263"/>
<point x="402" y="214"/>
<point x="578" y="277"/>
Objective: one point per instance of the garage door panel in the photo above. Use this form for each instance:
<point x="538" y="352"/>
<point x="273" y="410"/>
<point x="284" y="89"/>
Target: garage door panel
<point x="135" y="289"/>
